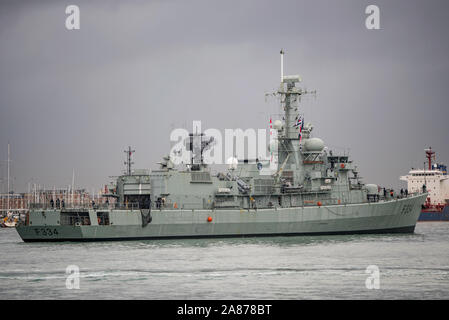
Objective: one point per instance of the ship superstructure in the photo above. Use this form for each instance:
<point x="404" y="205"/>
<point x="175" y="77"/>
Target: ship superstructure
<point x="434" y="179"/>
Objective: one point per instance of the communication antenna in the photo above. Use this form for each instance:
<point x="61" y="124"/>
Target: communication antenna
<point x="429" y="154"/>
<point x="128" y="162"/>
<point x="282" y="65"/>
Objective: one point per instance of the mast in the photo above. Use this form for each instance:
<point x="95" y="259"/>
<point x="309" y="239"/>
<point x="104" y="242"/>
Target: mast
<point x="429" y="154"/>
<point x="128" y="163"/>
<point x="291" y="133"/>
<point x="290" y="97"/>
<point x="282" y="66"/>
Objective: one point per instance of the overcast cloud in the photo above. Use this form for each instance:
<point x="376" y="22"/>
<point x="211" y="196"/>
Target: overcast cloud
<point x="138" y="69"/>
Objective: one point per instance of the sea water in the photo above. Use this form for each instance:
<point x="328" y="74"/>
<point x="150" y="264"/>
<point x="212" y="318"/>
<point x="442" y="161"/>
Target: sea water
<point x="410" y="266"/>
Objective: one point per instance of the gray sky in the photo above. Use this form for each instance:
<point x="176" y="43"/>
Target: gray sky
<point x="137" y="69"/>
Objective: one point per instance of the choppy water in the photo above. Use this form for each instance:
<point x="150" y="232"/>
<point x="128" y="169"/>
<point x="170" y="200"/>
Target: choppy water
<point x="412" y="266"/>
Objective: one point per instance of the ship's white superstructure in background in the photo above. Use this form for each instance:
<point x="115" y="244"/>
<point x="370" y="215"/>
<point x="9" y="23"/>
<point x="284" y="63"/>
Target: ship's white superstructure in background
<point x="434" y="178"/>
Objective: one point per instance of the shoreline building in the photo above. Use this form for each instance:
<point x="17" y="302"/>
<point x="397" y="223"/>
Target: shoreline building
<point x="21" y="202"/>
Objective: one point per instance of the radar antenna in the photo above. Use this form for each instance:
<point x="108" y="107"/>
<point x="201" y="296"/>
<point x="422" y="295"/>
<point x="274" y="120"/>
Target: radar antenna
<point x="282" y="65"/>
<point x="128" y="162"/>
<point x="198" y="143"/>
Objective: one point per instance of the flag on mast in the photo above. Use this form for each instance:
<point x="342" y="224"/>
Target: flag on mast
<point x="299" y="124"/>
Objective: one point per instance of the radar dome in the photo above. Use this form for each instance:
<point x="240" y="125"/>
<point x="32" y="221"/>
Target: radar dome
<point x="371" y="188"/>
<point x="314" y="145"/>
<point x="277" y="124"/>
<point x="232" y="163"/>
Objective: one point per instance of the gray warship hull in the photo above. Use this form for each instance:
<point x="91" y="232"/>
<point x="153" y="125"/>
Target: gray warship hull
<point x="393" y="216"/>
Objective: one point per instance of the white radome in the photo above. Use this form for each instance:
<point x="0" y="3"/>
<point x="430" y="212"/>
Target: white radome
<point x="277" y="125"/>
<point x="232" y="163"/>
<point x="314" y="145"/>
<point x="371" y="188"/>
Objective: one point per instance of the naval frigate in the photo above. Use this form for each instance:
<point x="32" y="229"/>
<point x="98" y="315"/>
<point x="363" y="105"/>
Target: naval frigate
<point x="312" y="191"/>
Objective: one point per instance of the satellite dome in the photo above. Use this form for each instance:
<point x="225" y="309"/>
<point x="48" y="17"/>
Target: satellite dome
<point x="314" y="145"/>
<point x="277" y="125"/>
<point x="371" y="188"/>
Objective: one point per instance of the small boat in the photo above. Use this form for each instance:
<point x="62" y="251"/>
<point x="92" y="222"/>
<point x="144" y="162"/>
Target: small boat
<point x="9" y="221"/>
